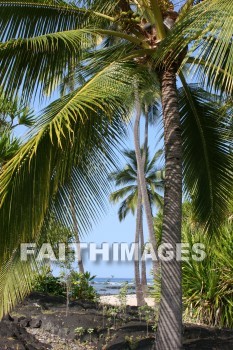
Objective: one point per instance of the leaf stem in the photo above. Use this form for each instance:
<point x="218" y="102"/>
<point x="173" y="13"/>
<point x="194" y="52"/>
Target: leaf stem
<point x="158" y="19"/>
<point x="69" y="8"/>
<point x="121" y="35"/>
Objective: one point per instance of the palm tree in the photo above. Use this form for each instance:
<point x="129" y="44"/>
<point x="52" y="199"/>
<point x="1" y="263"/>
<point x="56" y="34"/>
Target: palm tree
<point x="150" y="112"/>
<point x="114" y="43"/>
<point x="127" y="177"/>
<point x="12" y="114"/>
<point x="132" y="201"/>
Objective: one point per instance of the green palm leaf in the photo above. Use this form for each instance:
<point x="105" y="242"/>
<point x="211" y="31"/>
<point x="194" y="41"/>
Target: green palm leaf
<point x="206" y="153"/>
<point x="22" y="19"/>
<point x="205" y="33"/>
<point x="8" y="147"/>
<point x="129" y="204"/>
<point x="15" y="273"/>
<point x="73" y="131"/>
<point x="30" y="63"/>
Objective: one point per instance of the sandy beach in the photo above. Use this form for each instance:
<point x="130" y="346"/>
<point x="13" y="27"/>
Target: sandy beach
<point x="131" y="300"/>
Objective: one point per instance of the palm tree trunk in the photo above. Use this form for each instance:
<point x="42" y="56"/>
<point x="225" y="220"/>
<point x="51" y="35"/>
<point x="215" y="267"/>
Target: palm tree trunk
<point x="142" y="241"/>
<point x="141" y="174"/>
<point x="146" y="133"/>
<point x="138" y="285"/>
<point x="76" y="232"/>
<point x="143" y="262"/>
<point x="169" y="335"/>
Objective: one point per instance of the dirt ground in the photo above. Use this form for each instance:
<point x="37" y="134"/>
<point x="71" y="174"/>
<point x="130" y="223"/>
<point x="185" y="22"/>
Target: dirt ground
<point x="40" y="323"/>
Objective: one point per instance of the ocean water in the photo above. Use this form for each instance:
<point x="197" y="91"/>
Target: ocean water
<point x="112" y="286"/>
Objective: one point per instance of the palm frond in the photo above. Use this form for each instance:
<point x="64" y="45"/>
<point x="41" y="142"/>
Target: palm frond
<point x="25" y="19"/>
<point x="124" y="177"/>
<point x="13" y="274"/>
<point x="207" y="284"/>
<point x="28" y="64"/>
<point x="8" y="147"/>
<point x="205" y="33"/>
<point x="72" y="130"/>
<point x="206" y="155"/>
<point x="155" y="199"/>
<point x="122" y="192"/>
<point x="128" y="205"/>
<point x="154" y="160"/>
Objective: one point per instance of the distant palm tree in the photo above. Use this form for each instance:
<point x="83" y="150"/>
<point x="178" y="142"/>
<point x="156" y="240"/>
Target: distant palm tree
<point x="13" y="113"/>
<point x="128" y="178"/>
<point x="131" y="196"/>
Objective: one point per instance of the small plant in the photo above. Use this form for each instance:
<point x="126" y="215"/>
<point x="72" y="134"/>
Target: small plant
<point x="104" y="313"/>
<point x="79" y="331"/>
<point x="123" y="296"/>
<point x="109" y="332"/>
<point x="90" y="331"/>
<point x="81" y="288"/>
<point x="96" y="299"/>
<point x="148" y="315"/>
<point x="112" y="312"/>
<point x="140" y="314"/>
<point x="46" y="283"/>
<point x="154" y="327"/>
<point x="132" y="342"/>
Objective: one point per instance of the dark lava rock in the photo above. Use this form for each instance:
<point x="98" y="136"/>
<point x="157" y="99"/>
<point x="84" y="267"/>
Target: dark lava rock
<point x="46" y="299"/>
<point x="207" y="338"/>
<point x="133" y="335"/>
<point x="86" y="305"/>
<point x="35" y="323"/>
<point x="13" y="336"/>
<point x="145" y="344"/>
<point x="135" y="327"/>
<point x="24" y="321"/>
<point x="49" y="315"/>
<point x="192" y="331"/>
<point x="209" y="344"/>
<point x="195" y="338"/>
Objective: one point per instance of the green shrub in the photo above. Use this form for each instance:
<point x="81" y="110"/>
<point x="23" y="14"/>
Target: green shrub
<point x="80" y="286"/>
<point x="208" y="284"/>
<point x="46" y="283"/>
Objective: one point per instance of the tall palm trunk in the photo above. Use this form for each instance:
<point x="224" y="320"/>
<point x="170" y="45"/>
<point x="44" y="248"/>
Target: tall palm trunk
<point x="170" y="316"/>
<point x="142" y="241"/>
<point x="146" y="132"/>
<point x="141" y="174"/>
<point x="138" y="285"/>
<point x="76" y="231"/>
<point x="143" y="262"/>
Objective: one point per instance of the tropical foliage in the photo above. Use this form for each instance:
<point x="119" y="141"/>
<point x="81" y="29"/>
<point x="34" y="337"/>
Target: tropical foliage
<point x="45" y="282"/>
<point x="13" y="113"/>
<point x="111" y="47"/>
<point x="80" y="285"/>
<point x="207" y="284"/>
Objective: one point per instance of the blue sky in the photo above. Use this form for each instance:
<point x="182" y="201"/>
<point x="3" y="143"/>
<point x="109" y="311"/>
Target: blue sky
<point x="111" y="230"/>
